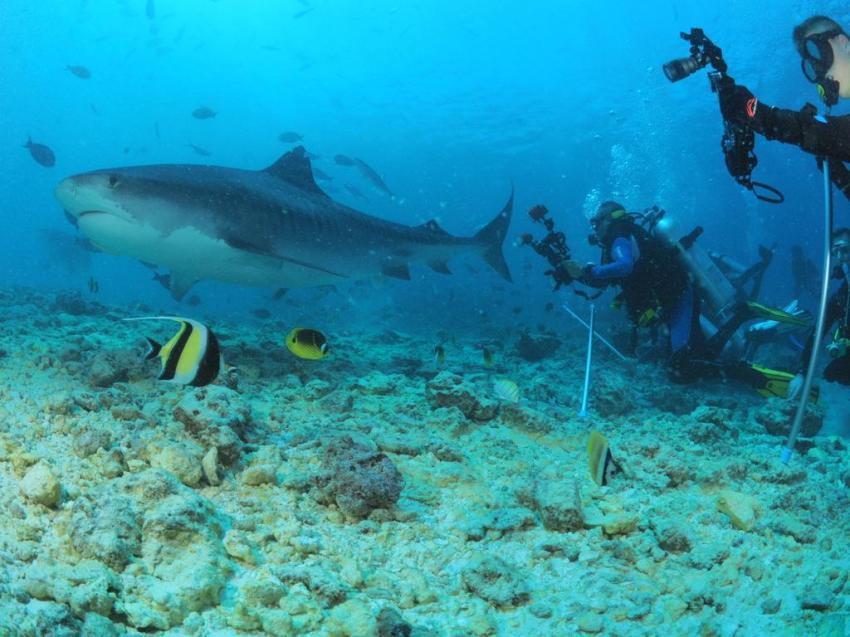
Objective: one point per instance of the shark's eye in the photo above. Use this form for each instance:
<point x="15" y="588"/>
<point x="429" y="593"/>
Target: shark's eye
<point x="113" y="181"/>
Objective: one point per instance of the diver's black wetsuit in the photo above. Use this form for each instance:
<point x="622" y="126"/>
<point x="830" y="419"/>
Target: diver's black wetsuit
<point x="655" y="286"/>
<point x="824" y="139"/>
<point x="837" y="311"/>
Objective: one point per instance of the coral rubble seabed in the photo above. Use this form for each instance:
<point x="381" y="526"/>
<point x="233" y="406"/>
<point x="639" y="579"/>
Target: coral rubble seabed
<point x="351" y="498"/>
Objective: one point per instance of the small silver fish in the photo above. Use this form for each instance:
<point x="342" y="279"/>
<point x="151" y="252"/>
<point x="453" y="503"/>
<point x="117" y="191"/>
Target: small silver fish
<point x="203" y="152"/>
<point x="203" y="112"/>
<point x="290" y="137"/>
<point x="80" y="71"/>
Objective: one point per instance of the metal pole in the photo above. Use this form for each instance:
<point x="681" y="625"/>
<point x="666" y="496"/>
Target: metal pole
<point x="583" y="412"/>
<point x="788" y="449"/>
<point x="597" y="334"/>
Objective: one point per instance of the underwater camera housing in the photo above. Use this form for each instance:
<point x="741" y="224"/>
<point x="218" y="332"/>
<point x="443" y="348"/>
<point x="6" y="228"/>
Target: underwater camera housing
<point x="703" y="53"/>
<point x="738" y="141"/>
<point x="553" y="247"/>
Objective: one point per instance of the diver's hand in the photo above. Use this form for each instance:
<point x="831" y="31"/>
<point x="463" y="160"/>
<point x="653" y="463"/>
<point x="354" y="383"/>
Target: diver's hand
<point x="795" y="387"/>
<point x="574" y="269"/>
<point x="740" y="106"/>
<point x="737" y="102"/>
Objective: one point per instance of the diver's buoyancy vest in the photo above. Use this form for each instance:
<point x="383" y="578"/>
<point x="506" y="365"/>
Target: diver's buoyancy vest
<point x="844" y="320"/>
<point x="658" y="279"/>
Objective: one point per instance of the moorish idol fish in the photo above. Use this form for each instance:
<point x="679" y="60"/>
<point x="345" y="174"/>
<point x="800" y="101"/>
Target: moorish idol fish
<point x="487" y="357"/>
<point x="439" y="354"/>
<point x="191" y="357"/>
<point x="307" y="343"/>
<point x="602" y="464"/>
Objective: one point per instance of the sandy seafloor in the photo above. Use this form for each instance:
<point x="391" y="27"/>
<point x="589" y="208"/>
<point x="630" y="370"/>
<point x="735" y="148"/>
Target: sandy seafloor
<point x="373" y="493"/>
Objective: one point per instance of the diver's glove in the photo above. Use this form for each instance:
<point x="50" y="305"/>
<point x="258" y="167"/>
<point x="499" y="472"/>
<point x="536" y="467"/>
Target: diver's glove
<point x="795" y="387"/>
<point x="739" y="106"/>
<point x="575" y="269"/>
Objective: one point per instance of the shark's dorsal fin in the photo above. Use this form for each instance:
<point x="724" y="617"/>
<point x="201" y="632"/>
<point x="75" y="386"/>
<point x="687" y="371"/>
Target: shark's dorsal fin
<point x="294" y="168"/>
<point x="433" y="227"/>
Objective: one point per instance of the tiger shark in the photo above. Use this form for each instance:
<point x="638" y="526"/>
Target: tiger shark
<point x="265" y="228"/>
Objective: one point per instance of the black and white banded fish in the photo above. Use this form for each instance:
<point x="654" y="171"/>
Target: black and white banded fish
<point x="191" y="357"/>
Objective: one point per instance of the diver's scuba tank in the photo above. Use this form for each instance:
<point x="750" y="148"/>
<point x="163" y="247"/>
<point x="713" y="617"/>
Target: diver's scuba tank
<point x="719" y="294"/>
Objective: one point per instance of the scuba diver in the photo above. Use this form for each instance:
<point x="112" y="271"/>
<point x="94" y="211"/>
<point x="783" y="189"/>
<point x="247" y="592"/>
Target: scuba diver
<point x="663" y="280"/>
<point x="825" y="51"/>
<point x="837" y="311"/>
<point x="804" y="274"/>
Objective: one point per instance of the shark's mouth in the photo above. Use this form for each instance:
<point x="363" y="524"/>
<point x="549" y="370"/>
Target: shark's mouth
<point x="85" y="213"/>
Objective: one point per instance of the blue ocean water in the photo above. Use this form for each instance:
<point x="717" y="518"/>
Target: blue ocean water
<point x="450" y="102"/>
<point x="238" y="508"/>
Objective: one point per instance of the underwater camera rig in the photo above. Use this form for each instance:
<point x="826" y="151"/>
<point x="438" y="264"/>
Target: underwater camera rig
<point x="738" y="141"/>
<point x="553" y="247"/>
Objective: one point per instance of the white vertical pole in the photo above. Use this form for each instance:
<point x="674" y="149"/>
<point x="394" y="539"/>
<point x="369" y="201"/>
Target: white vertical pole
<point x="583" y="412"/>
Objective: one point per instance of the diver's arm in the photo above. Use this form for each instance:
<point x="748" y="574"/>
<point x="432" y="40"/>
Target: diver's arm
<point x="829" y="137"/>
<point x="831" y="315"/>
<point x="620" y="267"/>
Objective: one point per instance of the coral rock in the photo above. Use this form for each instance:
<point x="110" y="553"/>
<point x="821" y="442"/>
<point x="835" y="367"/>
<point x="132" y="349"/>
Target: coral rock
<point x="559" y="504"/>
<point x="777" y="414"/>
<point x="106" y="527"/>
<point x="537" y="348"/>
<point x="526" y="419"/>
<point x="182" y="460"/>
<point x="817" y="597"/>
<point x="671" y="536"/>
<point x="495" y="581"/>
<point x="353" y="618"/>
<point x="360" y="479"/>
<point x="112" y="366"/>
<point x="40" y="485"/>
<point x="209" y="465"/>
<point x="390" y="624"/>
<point x="450" y="390"/>
<point x="216" y="417"/>
<point x="738" y="507"/>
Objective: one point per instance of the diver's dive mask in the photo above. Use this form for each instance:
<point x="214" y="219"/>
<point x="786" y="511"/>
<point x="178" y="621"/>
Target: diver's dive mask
<point x="601" y="221"/>
<point x="841" y="250"/>
<point x="818" y="58"/>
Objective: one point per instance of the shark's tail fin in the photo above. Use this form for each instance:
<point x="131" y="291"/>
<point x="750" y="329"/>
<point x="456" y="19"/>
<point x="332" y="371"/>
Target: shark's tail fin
<point x="492" y="236"/>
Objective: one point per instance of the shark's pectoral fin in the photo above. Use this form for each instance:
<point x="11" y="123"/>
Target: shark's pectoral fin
<point x="396" y="270"/>
<point x="179" y="283"/>
<point x="247" y="246"/>
<point x="439" y="266"/>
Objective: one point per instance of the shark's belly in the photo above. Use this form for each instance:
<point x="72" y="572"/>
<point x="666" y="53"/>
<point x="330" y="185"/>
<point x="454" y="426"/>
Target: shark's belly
<point x="197" y="255"/>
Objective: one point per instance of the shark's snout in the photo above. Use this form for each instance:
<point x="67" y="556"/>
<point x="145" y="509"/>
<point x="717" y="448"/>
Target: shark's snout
<point x="66" y="193"/>
<point x="85" y="194"/>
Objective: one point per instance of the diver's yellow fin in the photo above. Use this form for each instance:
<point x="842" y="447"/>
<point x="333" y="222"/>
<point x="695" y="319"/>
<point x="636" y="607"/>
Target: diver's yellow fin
<point x="775" y="314"/>
<point x="772" y="383"/>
